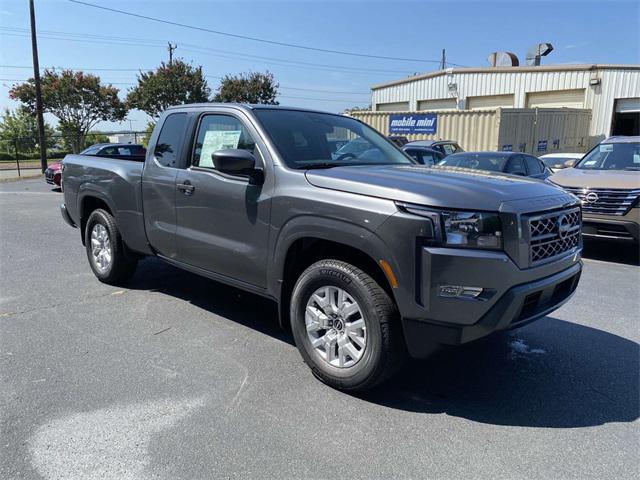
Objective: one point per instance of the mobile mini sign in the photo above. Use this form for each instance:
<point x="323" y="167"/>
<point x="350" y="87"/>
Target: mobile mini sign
<point x="409" y="124"/>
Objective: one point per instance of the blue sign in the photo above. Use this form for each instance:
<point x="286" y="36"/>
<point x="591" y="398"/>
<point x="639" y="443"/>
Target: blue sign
<point x="419" y="123"/>
<point x="507" y="148"/>
<point x="542" y="145"/>
<point x="556" y="144"/>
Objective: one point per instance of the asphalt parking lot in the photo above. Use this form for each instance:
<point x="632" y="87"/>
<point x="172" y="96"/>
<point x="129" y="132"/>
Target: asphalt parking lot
<point x="177" y="377"/>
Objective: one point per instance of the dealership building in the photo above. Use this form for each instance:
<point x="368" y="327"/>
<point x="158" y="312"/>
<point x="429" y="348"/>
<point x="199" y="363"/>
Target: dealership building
<point x="610" y="92"/>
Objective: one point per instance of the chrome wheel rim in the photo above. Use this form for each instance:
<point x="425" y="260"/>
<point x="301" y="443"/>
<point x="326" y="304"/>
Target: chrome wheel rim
<point x="335" y="327"/>
<point x="101" y="253"/>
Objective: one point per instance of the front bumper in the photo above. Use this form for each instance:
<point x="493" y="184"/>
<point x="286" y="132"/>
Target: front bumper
<point x="52" y="177"/>
<point x="625" y="228"/>
<point x="518" y="306"/>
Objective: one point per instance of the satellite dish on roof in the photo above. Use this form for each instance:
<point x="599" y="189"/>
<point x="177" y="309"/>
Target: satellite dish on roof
<point x="538" y="51"/>
<point x="503" y="59"/>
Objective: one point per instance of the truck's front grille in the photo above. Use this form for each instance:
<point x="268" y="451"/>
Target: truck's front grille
<point x="552" y="234"/>
<point x="612" y="201"/>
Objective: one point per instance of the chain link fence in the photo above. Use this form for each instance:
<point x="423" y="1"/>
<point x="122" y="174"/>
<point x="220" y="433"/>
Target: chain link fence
<point x="21" y="156"/>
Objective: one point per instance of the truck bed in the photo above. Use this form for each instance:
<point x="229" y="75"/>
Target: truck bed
<point x="117" y="182"/>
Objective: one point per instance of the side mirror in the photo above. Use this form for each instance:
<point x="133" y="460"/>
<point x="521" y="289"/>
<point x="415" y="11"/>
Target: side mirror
<point x="238" y="162"/>
<point x="233" y="160"/>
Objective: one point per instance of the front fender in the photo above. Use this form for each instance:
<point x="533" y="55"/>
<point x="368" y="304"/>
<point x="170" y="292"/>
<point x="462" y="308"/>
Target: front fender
<point x="322" y="228"/>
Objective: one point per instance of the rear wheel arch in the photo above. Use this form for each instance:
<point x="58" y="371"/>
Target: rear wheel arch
<point x="88" y="203"/>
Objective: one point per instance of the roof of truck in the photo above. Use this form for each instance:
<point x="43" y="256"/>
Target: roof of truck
<point x="244" y="106"/>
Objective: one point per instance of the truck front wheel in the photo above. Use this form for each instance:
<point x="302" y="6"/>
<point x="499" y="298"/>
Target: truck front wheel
<point x="107" y="254"/>
<point x="345" y="326"/>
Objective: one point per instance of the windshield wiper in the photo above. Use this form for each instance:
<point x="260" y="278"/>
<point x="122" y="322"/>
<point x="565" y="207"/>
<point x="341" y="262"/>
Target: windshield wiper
<point x="632" y="168"/>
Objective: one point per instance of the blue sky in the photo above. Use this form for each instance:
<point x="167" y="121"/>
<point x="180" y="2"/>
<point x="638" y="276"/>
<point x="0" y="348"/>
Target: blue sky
<point x="71" y="35"/>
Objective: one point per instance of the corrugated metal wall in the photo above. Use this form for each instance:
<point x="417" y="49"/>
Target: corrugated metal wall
<point x="520" y="129"/>
<point x="614" y="83"/>
<point x="473" y="130"/>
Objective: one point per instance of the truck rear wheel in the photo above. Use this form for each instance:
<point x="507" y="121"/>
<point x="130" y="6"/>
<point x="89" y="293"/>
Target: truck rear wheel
<point x="345" y="326"/>
<point x="107" y="253"/>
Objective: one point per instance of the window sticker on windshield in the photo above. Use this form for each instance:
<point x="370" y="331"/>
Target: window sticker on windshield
<point x="590" y="162"/>
<point x="215" y="140"/>
<point x="606" y="147"/>
<point x="636" y="158"/>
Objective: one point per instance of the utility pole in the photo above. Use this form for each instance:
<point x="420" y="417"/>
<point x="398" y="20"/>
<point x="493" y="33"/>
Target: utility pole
<point x="171" y="48"/>
<point x="36" y="78"/>
<point x="443" y="62"/>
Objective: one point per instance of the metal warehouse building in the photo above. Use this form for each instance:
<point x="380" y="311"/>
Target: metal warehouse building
<point x="611" y="92"/>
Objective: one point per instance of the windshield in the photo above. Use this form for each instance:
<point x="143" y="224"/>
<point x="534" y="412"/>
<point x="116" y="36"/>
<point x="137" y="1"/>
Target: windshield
<point x="612" y="156"/>
<point x="558" y="162"/>
<point x="304" y="140"/>
<point x="479" y="161"/>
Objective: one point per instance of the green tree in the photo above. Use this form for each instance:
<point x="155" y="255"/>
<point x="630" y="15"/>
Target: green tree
<point x="170" y="84"/>
<point x="252" y="87"/>
<point x="77" y="99"/>
<point x="20" y="129"/>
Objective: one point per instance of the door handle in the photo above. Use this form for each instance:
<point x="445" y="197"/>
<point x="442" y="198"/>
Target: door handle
<point x="186" y="187"/>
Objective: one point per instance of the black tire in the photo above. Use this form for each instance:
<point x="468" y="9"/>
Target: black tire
<point x="123" y="262"/>
<point x="384" y="351"/>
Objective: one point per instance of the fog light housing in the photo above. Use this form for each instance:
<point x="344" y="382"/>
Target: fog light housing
<point x="459" y="291"/>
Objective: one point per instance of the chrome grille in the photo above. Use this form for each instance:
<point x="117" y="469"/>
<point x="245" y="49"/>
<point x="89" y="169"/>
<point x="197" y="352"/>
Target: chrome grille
<point x="552" y="234"/>
<point x="612" y="201"/>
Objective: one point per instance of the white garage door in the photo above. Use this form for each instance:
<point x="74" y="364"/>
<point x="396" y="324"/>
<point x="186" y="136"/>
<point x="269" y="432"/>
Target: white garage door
<point x="557" y="99"/>
<point x="438" y="104"/>
<point x="627" y="105"/>
<point x="490" y="101"/>
<point x="392" y="107"/>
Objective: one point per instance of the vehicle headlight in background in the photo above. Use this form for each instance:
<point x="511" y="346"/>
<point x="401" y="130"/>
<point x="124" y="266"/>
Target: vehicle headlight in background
<point x="472" y="229"/>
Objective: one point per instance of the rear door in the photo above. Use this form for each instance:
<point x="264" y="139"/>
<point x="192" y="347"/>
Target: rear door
<point x="159" y="182"/>
<point x="223" y="220"/>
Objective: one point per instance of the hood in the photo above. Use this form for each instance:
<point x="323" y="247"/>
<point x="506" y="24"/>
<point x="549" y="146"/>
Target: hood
<point x="577" y="177"/>
<point x="55" y="166"/>
<point x="454" y="188"/>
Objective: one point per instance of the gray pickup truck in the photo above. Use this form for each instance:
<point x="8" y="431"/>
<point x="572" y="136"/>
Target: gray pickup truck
<point x="369" y="256"/>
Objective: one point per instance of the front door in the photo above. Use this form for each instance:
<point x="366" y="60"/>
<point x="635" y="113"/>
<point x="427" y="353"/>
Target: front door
<point x="223" y="220"/>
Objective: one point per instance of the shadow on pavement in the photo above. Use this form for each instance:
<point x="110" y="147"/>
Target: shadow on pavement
<point x="612" y="252"/>
<point x="576" y="376"/>
<point x="571" y="376"/>
<point x="250" y="310"/>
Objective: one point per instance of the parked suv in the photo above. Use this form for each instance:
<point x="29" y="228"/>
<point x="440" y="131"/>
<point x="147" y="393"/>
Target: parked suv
<point x="607" y="180"/>
<point x="368" y="255"/>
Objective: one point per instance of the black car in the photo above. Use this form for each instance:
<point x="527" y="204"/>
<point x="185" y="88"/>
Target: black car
<point x="424" y="155"/>
<point x="116" y="150"/>
<point x="445" y="147"/>
<point x="505" y="162"/>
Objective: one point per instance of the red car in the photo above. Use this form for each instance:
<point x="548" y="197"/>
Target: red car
<point x="53" y="173"/>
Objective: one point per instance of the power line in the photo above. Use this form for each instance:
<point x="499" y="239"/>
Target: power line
<point x="253" y="39"/>
<point x="208" y="76"/>
<point x="206" y="51"/>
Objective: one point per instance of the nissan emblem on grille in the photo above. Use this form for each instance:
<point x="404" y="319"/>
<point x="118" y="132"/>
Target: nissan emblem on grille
<point x="591" y="197"/>
<point x="553" y="234"/>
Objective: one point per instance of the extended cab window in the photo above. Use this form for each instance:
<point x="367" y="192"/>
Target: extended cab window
<point x="169" y="144"/>
<point x="220" y="132"/>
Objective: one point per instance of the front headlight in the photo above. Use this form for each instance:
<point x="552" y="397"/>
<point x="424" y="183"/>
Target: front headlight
<point x="462" y="229"/>
<point x="472" y="229"/>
